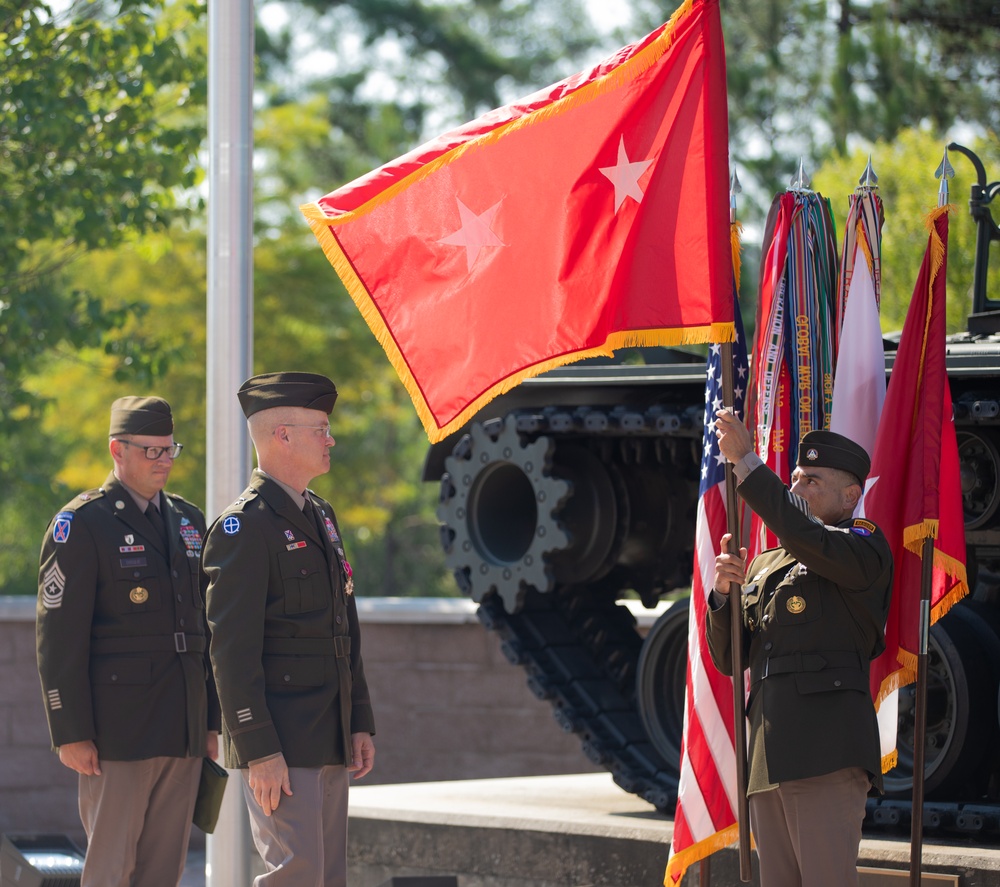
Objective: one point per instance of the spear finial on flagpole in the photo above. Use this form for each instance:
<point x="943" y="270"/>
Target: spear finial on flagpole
<point x="944" y="172"/>
<point x="734" y="188"/>
<point x="869" y="179"/>
<point x="800" y="181"/>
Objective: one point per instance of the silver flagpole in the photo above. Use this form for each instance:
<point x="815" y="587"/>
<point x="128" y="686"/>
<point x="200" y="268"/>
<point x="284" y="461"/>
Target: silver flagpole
<point x="229" y="331"/>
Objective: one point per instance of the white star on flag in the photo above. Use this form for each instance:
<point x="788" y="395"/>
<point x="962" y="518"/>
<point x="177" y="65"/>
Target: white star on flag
<point x="475" y="233"/>
<point x="624" y="175"/>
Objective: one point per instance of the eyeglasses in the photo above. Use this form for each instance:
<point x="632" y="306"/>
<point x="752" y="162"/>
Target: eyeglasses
<point x="154" y="453"/>
<point x="323" y="429"/>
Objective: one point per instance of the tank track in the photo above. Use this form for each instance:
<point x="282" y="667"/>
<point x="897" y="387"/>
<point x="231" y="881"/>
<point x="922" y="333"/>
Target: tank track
<point x="579" y="650"/>
<point x="578" y="646"/>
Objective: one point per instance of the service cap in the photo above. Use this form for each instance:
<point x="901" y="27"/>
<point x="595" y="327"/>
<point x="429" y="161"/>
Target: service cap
<point x="141" y="415"/>
<point x="309" y="390"/>
<point x="827" y="449"/>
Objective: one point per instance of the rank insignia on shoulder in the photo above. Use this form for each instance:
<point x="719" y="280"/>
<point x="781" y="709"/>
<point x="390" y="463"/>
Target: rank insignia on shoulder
<point x="862" y="527"/>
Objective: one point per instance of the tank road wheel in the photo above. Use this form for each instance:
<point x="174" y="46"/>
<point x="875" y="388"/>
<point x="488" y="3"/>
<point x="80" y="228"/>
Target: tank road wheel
<point x="661" y="678"/>
<point x="980" y="476"/>
<point x="959" y="688"/>
<point x="497" y="506"/>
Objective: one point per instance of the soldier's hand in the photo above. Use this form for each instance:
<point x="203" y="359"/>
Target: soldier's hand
<point x="81" y="756"/>
<point x="268" y="779"/>
<point x="212" y="745"/>
<point x="729" y="568"/>
<point x="363" y="754"/>
<point x="734" y="439"/>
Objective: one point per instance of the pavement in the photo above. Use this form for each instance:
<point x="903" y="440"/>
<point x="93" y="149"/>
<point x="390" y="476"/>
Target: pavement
<point x="560" y="831"/>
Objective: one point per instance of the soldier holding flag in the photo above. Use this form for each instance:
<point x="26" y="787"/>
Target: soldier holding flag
<point x="813" y="611"/>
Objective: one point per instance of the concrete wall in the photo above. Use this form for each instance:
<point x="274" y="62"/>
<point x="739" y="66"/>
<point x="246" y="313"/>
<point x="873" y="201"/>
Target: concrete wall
<point x="448" y="705"/>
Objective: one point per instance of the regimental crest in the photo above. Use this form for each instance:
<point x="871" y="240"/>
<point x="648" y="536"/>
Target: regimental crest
<point x="53" y="583"/>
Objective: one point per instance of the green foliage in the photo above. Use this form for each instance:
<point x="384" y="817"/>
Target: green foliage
<point x="909" y="190"/>
<point x="95" y="140"/>
<point x="807" y="79"/>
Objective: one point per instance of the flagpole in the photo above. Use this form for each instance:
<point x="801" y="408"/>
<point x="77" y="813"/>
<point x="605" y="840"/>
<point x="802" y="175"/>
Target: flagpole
<point x="736" y="611"/>
<point x="943" y="172"/>
<point x="920" y="713"/>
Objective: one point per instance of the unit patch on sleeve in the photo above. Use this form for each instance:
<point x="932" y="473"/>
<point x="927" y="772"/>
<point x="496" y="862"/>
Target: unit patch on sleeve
<point x="62" y="526"/>
<point x="53" y="583"/>
<point x="231" y="525"/>
<point x="862" y="527"/>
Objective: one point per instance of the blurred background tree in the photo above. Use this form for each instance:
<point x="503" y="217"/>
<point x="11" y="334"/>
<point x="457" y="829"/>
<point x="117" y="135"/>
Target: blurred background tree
<point x="102" y="249"/>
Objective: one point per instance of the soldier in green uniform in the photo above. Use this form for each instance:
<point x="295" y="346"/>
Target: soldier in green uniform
<point x="122" y="654"/>
<point x="286" y="645"/>
<point x="814" y="614"/>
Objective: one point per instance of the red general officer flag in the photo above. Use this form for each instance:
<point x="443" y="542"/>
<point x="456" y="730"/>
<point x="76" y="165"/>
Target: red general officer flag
<point x="914" y="490"/>
<point x="590" y="216"/>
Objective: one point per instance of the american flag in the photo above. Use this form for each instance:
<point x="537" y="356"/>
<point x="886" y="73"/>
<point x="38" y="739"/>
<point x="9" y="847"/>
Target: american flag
<point x="705" y="819"/>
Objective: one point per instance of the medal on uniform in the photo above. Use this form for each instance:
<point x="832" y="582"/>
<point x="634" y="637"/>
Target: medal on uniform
<point x="795" y="604"/>
<point x="349" y="576"/>
<point x="138" y="595"/>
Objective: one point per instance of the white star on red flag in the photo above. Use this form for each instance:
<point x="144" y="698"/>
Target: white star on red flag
<point x="624" y="175"/>
<point x="475" y="233"/>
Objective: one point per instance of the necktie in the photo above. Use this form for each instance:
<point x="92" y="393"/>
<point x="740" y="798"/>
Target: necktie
<point x="312" y="513"/>
<point x="156" y="519"/>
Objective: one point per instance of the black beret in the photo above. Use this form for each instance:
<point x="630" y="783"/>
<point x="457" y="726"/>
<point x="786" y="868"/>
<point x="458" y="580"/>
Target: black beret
<point x="141" y="415"/>
<point x="827" y="449"/>
<point x="309" y="390"/>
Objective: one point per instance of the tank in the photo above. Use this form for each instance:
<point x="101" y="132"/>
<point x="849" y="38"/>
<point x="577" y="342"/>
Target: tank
<point x="578" y="489"/>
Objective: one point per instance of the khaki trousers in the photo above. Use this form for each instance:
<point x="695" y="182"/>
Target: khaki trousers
<point x="808" y="830"/>
<point x="304" y="841"/>
<point x="137" y="816"/>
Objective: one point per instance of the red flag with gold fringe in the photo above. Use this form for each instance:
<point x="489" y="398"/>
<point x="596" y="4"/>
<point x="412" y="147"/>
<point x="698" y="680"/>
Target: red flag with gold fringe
<point x="914" y="490"/>
<point x="590" y="216"/>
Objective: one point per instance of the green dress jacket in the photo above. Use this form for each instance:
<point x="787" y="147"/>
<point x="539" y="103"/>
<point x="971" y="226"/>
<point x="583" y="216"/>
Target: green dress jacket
<point x="814" y="614"/>
<point x="121" y="632"/>
<point x="286" y="644"/>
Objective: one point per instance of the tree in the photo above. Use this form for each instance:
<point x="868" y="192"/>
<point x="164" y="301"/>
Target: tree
<point x="908" y="189"/>
<point x="99" y="131"/>
<point x="95" y="141"/>
<point x="806" y="79"/>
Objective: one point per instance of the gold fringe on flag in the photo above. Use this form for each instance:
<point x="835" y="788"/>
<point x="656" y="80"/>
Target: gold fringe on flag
<point x="679" y="863"/>
<point x="671" y="336"/>
<point x="625" y="72"/>
<point x="736" y="245"/>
